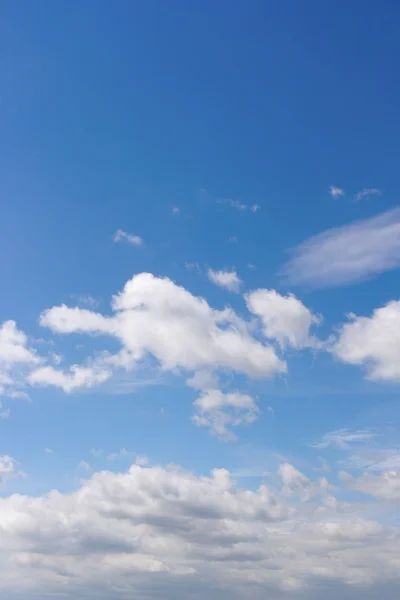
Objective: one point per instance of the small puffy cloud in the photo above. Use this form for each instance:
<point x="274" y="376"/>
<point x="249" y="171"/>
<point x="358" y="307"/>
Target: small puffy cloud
<point x="255" y="208"/>
<point x="84" y="465"/>
<point x="49" y="451"/>
<point x="366" y="192"/>
<point x="176" y="210"/>
<point x="219" y="411"/>
<point x="226" y="279"/>
<point x="372" y="342"/>
<point x="121" y="235"/>
<point x="335" y="191"/>
<point x="284" y="318"/>
<point x="142" y="461"/>
<point x="347" y="254"/>
<point x="13" y="346"/>
<point x="342" y="438"/>
<point x="7" y="465"/>
<point x="76" y="377"/>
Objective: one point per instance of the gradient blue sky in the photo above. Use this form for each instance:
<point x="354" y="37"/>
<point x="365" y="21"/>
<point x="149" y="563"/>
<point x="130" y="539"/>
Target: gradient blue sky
<point x="260" y="139"/>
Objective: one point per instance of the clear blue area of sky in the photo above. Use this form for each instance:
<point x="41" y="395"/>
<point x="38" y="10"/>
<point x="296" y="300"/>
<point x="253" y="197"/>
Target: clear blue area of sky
<point x="113" y="113"/>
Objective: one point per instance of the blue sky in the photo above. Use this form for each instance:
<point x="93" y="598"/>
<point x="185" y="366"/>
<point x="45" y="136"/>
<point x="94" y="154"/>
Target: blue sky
<point x="200" y="247"/>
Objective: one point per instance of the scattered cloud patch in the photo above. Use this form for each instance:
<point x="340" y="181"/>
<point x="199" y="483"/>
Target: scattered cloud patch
<point x="219" y="411"/>
<point x="372" y="342"/>
<point x="233" y="203"/>
<point x="335" y="191"/>
<point x="49" y="451"/>
<point x="342" y="438"/>
<point x="176" y="210"/>
<point x="225" y="279"/>
<point x="255" y="208"/>
<point x="122" y="236"/>
<point x="284" y="318"/>
<point x="84" y="465"/>
<point x="366" y="193"/>
<point x="347" y="254"/>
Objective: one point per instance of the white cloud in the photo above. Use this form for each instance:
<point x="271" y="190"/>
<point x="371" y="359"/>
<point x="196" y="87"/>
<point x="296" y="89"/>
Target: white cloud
<point x="284" y="318"/>
<point x="155" y="316"/>
<point x="234" y="204"/>
<point x="386" y="485"/>
<point x="15" y="358"/>
<point x="255" y="208"/>
<point x="142" y="461"/>
<point x="176" y="210"/>
<point x="372" y="342"/>
<point x="84" y="465"/>
<point x="295" y="482"/>
<point x="122" y="453"/>
<point x="121" y="235"/>
<point x="335" y="191"/>
<point x="225" y="279"/>
<point x="49" y="451"/>
<point x="347" y="254"/>
<point x="165" y="532"/>
<point x="76" y="377"/>
<point x="7" y="465"/>
<point x="366" y="192"/>
<point x="342" y="438"/>
<point x="219" y="411"/>
<point x="13" y="346"/>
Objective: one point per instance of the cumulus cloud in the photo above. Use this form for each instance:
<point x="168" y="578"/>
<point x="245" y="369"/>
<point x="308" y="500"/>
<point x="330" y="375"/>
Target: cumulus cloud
<point x="372" y="342"/>
<point x="335" y="191"/>
<point x="219" y="411"/>
<point x="15" y="357"/>
<point x="342" y="438"/>
<point x="366" y="192"/>
<point x="347" y="254"/>
<point x="120" y="235"/>
<point x="385" y="485"/>
<point x="165" y="532"/>
<point x="225" y="279"/>
<point x="154" y="316"/>
<point x="284" y="318"/>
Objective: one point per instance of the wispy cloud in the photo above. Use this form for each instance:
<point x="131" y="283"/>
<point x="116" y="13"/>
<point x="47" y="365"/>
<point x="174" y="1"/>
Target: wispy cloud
<point x="335" y="191"/>
<point x="176" y="210"/>
<point x="255" y="208"/>
<point x="347" y="254"/>
<point x="366" y="192"/>
<point x="342" y="438"/>
<point x="233" y="203"/>
<point x="121" y="235"/>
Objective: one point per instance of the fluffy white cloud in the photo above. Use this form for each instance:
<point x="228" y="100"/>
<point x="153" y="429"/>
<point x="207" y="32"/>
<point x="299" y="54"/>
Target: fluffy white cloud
<point x="219" y="411"/>
<point x="156" y="532"/>
<point x="347" y="254"/>
<point x="121" y="235"/>
<point x="335" y="191"/>
<point x="225" y="279"/>
<point x="373" y="342"/>
<point x="15" y="358"/>
<point x="342" y="438"/>
<point x="284" y="318"/>
<point x="155" y="316"/>
<point x="76" y="377"/>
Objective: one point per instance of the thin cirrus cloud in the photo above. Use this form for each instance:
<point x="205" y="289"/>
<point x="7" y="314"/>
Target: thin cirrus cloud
<point x="366" y="193"/>
<point x="122" y="236"/>
<point x="348" y="254"/>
